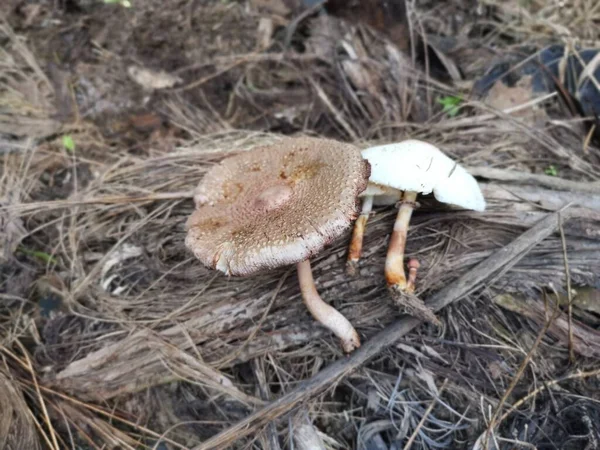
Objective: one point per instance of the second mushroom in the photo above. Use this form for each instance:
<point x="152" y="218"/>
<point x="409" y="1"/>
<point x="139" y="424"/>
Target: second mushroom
<point x="399" y="173"/>
<point x="277" y="205"/>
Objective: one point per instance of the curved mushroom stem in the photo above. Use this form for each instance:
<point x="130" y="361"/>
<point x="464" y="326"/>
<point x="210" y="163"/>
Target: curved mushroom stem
<point x="357" y="235"/>
<point x="394" y="261"/>
<point x="324" y="313"/>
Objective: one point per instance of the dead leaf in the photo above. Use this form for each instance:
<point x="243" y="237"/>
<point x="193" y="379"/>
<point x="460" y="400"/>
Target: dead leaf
<point x="503" y="97"/>
<point x="152" y="80"/>
<point x="265" y="31"/>
<point x="271" y="6"/>
<point x="495" y="370"/>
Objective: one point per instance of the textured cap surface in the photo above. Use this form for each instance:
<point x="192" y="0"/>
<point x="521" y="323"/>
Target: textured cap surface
<point x="275" y="205"/>
<point x="418" y="166"/>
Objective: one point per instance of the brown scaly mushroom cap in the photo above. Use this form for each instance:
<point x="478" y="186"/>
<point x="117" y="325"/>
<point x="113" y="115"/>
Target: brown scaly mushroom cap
<point x="275" y="205"/>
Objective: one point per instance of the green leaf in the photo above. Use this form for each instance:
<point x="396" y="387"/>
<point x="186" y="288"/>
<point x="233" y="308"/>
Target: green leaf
<point x="551" y="170"/>
<point x="451" y="104"/>
<point x="68" y="143"/>
<point x="40" y="255"/>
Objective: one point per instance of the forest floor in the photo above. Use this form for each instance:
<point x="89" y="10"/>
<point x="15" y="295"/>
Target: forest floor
<point x="113" y="336"/>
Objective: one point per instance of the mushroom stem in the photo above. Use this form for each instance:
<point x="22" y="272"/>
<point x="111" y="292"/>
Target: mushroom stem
<point x="324" y="313"/>
<point x="394" y="261"/>
<point x="413" y="266"/>
<point x="358" y="232"/>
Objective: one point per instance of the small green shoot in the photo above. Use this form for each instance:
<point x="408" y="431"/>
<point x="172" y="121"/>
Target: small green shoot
<point x="451" y="104"/>
<point x="123" y="3"/>
<point x="551" y="170"/>
<point x="68" y="143"/>
<point x="48" y="259"/>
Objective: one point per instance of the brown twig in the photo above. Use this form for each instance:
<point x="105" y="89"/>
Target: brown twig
<point x="338" y="370"/>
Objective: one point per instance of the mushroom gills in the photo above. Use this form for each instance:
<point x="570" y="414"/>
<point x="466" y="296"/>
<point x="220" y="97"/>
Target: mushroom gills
<point x="324" y="313"/>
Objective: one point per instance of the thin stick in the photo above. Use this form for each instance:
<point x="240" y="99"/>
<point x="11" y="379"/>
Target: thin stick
<point x="332" y="374"/>
<point x="534" y="178"/>
<point x="356" y="243"/>
<point x="578" y="375"/>
<point x="106" y="200"/>
<point x="201" y="81"/>
<point x="569" y="292"/>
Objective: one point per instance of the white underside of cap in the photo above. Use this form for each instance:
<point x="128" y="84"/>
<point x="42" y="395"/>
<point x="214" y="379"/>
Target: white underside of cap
<point x="418" y="166"/>
<point x="382" y="195"/>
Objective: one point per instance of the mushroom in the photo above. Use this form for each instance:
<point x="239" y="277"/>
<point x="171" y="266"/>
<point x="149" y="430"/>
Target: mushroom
<point x="399" y="172"/>
<point x="277" y="205"/>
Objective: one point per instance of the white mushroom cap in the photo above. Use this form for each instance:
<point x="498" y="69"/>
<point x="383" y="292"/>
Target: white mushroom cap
<point x="417" y="166"/>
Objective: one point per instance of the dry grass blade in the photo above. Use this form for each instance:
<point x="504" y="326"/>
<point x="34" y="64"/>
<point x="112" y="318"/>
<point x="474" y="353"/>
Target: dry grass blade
<point x="41" y="400"/>
<point x="413" y="436"/>
<point x="29" y="208"/>
<point x="25" y="91"/>
<point x="17" y="428"/>
<point x="304" y="433"/>
<point x="569" y="293"/>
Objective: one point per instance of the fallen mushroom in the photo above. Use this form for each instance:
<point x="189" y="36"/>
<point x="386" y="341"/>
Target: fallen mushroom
<point x="399" y="172"/>
<point x="278" y="205"/>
